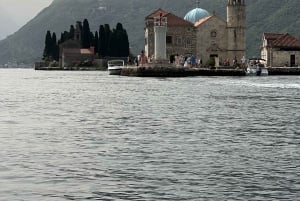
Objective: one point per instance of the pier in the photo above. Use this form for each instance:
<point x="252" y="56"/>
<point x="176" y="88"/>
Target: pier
<point x="149" y="71"/>
<point x="284" y="70"/>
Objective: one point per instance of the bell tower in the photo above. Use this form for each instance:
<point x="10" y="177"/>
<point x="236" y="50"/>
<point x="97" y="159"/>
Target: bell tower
<point x="236" y="29"/>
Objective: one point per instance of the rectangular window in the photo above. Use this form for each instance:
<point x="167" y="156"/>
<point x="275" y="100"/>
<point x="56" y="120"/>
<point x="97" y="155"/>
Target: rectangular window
<point x="169" y="39"/>
<point x="178" y="40"/>
<point x="188" y="41"/>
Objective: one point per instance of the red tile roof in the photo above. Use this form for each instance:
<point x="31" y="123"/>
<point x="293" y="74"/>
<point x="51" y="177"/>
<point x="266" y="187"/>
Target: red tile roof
<point x="87" y="51"/>
<point x="157" y="13"/>
<point x="201" y="21"/>
<point x="282" y="40"/>
<point x="172" y="20"/>
<point x="286" y="41"/>
<point x="78" y="51"/>
<point x="272" y="36"/>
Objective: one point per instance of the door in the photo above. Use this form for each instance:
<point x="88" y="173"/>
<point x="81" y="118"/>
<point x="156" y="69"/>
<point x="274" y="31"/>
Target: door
<point x="293" y="60"/>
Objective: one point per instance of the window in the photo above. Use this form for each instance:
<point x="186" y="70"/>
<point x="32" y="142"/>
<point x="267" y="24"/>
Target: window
<point x="188" y="42"/>
<point x="178" y="40"/>
<point x="169" y="39"/>
<point x="213" y="34"/>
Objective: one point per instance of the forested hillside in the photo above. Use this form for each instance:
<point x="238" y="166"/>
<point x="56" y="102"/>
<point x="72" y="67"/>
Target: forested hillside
<point x="27" y="44"/>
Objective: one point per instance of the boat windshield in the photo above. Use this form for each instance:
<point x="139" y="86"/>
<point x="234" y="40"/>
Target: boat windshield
<point x="116" y="63"/>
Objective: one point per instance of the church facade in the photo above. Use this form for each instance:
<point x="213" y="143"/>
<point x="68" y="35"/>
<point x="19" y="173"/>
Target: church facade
<point x="203" y="35"/>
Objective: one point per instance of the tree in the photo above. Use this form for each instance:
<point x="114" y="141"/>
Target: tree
<point x="96" y="42"/>
<point x="119" y="43"/>
<point x="63" y="37"/>
<point x="47" y="49"/>
<point x="122" y="38"/>
<point x="86" y="41"/>
<point x="92" y="39"/>
<point x="106" y="42"/>
<point x="101" y="42"/>
<point x="54" y="47"/>
<point x="71" y="32"/>
<point x="107" y="39"/>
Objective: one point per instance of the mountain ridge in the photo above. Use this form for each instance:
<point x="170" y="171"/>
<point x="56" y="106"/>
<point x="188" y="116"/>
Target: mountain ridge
<point x="26" y="45"/>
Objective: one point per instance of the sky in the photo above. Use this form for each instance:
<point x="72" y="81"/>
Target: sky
<point x="19" y="12"/>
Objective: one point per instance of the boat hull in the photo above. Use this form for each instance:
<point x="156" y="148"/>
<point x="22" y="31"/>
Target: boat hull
<point x="259" y="71"/>
<point x="114" y="71"/>
<point x="115" y="67"/>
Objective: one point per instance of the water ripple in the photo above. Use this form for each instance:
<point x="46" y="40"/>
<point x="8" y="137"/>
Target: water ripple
<point x="90" y="136"/>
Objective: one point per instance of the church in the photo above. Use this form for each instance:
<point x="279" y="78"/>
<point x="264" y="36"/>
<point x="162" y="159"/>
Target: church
<point x="204" y="35"/>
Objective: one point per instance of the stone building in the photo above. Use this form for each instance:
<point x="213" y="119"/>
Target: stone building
<point x="201" y="34"/>
<point x="280" y="50"/>
<point x="71" y="53"/>
<point x="177" y="42"/>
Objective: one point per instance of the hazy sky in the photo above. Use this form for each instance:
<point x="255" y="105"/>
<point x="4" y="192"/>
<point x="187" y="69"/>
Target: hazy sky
<point x="21" y="11"/>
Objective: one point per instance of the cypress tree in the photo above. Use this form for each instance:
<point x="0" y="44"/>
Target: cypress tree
<point x="92" y="39"/>
<point x="119" y="42"/>
<point x="86" y="42"/>
<point x="63" y="37"/>
<point x="47" y="49"/>
<point x="71" y="32"/>
<point x="125" y="44"/>
<point x="101" y="42"/>
<point x="113" y="45"/>
<point x="54" y="47"/>
<point x="96" y="42"/>
<point x="107" y="39"/>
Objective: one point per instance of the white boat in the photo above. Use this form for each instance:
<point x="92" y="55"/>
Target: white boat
<point x="256" y="67"/>
<point x="115" y="67"/>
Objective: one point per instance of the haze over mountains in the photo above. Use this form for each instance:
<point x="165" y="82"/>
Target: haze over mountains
<point x="26" y="45"/>
<point x="8" y="25"/>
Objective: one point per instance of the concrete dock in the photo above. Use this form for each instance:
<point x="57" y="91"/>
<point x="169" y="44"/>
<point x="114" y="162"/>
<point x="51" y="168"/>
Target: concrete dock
<point x="179" y="72"/>
<point x="284" y="70"/>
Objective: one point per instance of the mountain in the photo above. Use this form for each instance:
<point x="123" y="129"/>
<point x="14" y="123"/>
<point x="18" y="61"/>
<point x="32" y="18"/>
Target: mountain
<point x="26" y="45"/>
<point x="8" y="25"/>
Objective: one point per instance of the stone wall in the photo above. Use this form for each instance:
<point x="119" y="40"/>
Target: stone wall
<point x="183" y="41"/>
<point x="283" y="58"/>
<point x="212" y="39"/>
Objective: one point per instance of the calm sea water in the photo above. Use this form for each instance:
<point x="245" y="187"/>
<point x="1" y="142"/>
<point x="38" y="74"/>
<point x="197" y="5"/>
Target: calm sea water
<point x="91" y="136"/>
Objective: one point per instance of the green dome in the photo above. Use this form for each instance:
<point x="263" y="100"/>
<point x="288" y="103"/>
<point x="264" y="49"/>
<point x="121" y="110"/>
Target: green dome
<point x="196" y="14"/>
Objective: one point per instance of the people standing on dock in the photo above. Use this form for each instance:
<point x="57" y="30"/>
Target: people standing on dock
<point x="193" y="61"/>
<point x="227" y="62"/>
<point x="143" y="58"/>
<point x="137" y="60"/>
<point x="234" y="62"/>
<point x="199" y="63"/>
<point x="177" y="60"/>
<point x="243" y="60"/>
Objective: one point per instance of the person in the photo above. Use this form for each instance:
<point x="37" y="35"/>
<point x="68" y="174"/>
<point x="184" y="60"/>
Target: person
<point x="177" y="58"/>
<point x="243" y="60"/>
<point x="193" y="61"/>
<point x="234" y="62"/>
<point x="227" y="62"/>
<point x="143" y="58"/>
<point x="129" y="61"/>
<point x="137" y="60"/>
<point x="200" y="62"/>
